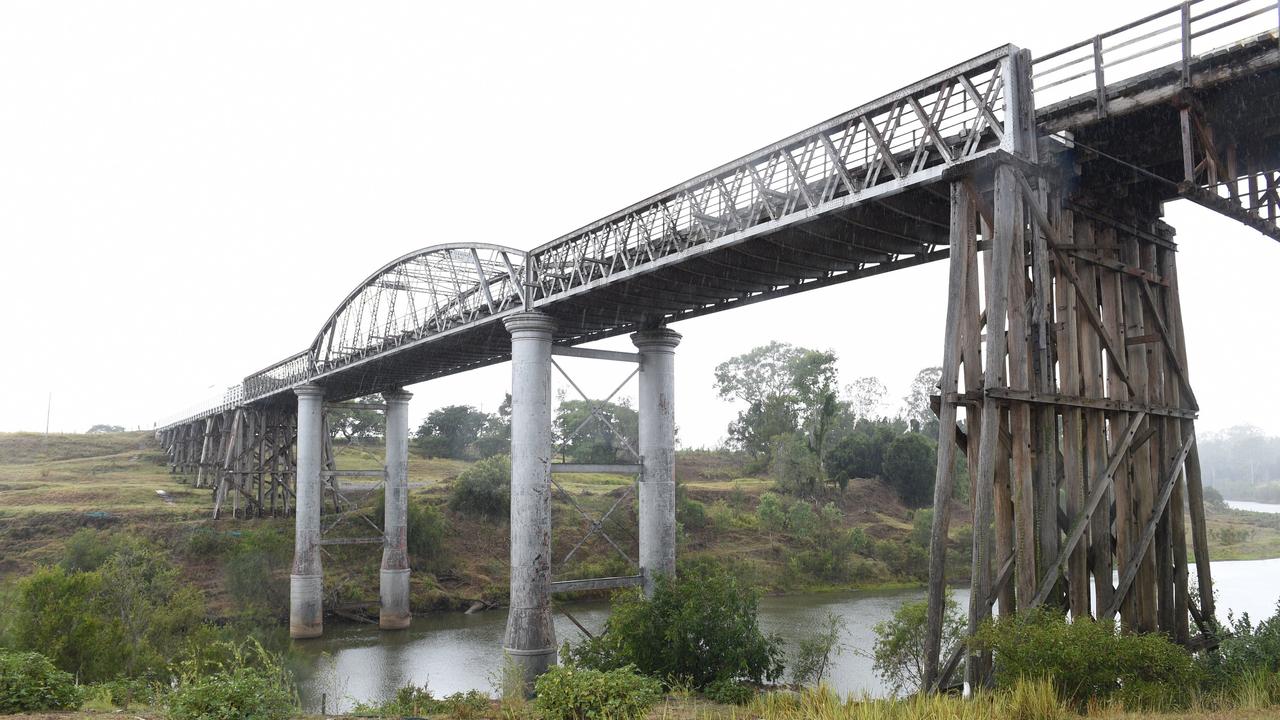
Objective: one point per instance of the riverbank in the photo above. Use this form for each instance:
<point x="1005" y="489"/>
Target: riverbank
<point x="52" y="488"/>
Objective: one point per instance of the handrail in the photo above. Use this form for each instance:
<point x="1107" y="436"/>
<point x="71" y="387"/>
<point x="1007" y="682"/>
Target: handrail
<point x="1185" y="26"/>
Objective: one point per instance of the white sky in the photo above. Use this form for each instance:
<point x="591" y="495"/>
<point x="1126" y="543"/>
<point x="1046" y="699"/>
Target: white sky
<point x="187" y="190"/>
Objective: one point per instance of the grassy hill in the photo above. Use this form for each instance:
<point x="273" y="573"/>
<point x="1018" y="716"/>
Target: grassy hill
<point x="106" y="485"/>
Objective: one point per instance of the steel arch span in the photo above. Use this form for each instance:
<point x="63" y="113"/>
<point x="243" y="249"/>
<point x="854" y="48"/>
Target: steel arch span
<point x="423" y="293"/>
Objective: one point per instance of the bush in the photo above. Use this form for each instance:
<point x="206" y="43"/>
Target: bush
<point x="242" y="694"/>
<point x="695" y="630"/>
<point x="1088" y="659"/>
<point x="771" y="514"/>
<point x="29" y="682"/>
<point x="910" y="463"/>
<point x="898" y="652"/>
<point x="257" y="569"/>
<point x="425" y="531"/>
<point x="414" y="701"/>
<point x="484" y="489"/>
<point x="728" y="692"/>
<point x="228" y="681"/>
<point x="814" y="650"/>
<point x="572" y="693"/>
<point x="1245" y="649"/>
<point x="691" y="514"/>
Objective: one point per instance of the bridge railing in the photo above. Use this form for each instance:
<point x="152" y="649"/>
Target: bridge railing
<point x="229" y="398"/>
<point x="1170" y="37"/>
<point x="873" y="149"/>
<point x="286" y="373"/>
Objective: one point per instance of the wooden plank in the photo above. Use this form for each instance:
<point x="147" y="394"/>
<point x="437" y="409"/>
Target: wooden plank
<point x="1007" y="218"/>
<point x="1095" y="446"/>
<point x="1143" y="478"/>
<point x="1081" y="521"/>
<point x="1133" y="566"/>
<point x="1044" y="421"/>
<point x="1072" y="432"/>
<point x="1027" y="396"/>
<point x="962" y="244"/>
<point x="1021" y="475"/>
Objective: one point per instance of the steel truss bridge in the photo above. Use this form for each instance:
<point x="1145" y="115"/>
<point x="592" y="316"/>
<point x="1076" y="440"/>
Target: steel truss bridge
<point x="1078" y="414"/>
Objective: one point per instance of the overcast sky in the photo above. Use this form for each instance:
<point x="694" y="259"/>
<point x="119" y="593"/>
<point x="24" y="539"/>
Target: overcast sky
<point x="187" y="190"/>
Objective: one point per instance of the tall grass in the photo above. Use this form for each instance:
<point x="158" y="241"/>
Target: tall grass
<point x="1024" y="701"/>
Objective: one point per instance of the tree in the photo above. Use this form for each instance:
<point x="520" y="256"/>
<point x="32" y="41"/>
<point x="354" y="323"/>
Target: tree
<point x="106" y="429"/>
<point x="583" y="437"/>
<point x="898" y="652"/>
<point x="794" y="467"/>
<point x="866" y="398"/>
<point x="450" y="432"/>
<point x="917" y="410"/>
<point x="909" y="467"/>
<point x="354" y="422"/>
<point x="495" y="436"/>
<point x="861" y="453"/>
<point x="786" y="388"/>
<point x="814" y="649"/>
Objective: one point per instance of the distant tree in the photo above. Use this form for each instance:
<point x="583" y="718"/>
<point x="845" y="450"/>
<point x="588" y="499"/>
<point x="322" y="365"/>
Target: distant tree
<point x="1213" y="499"/>
<point x="866" y="398"/>
<point x="450" y="432"/>
<point x="786" y="388"/>
<point x="861" y="453"/>
<point x="106" y="429"/>
<point x="495" y="436"/>
<point x="909" y="467"/>
<point x="583" y="437"/>
<point x="354" y="422"/>
<point x="917" y="409"/>
<point x="794" y="466"/>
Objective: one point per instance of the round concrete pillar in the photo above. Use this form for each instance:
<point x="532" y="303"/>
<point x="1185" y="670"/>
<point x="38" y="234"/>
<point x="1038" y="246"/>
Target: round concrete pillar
<point x="393" y="591"/>
<point x="306" y="605"/>
<point x="657" y="453"/>
<point x="531" y="638"/>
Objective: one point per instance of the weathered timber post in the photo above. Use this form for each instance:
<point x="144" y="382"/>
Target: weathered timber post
<point x="393" y="593"/>
<point x="306" y="606"/>
<point x="962" y="246"/>
<point x="657" y="452"/>
<point x="531" y="637"/>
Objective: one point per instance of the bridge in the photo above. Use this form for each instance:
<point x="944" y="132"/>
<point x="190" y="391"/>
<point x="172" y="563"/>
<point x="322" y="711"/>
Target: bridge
<point x="1039" y="180"/>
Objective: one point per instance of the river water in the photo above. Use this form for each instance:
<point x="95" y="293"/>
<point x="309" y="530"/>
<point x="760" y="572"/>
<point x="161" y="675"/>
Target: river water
<point x="453" y="652"/>
<point x="1253" y="506"/>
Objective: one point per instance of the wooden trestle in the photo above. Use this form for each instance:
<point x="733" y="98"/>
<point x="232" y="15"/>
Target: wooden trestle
<point x="1065" y="360"/>
<point x="245" y="456"/>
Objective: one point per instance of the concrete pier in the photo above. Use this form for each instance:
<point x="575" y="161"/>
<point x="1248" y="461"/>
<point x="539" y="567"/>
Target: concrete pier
<point x="393" y="591"/>
<point x="306" y="605"/>
<point x="531" y="638"/>
<point x="657" y="452"/>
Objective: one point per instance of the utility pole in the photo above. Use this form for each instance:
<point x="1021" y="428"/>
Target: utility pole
<point x="48" y="409"/>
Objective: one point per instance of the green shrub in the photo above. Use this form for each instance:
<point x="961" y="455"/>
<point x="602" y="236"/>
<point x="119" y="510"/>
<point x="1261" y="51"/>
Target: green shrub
<point x="425" y="530"/>
<point x="1089" y="660"/>
<point x="898" y="652"/>
<point x="692" y="514"/>
<point x="242" y="694"/>
<point x="1245" y="649"/>
<point x="772" y="515"/>
<point x="728" y="692"/>
<point x="29" y="682"/>
<point x="484" y="489"/>
<point x="694" y="630"/>
<point x="573" y="693"/>
<point x="257" y="570"/>
<point x="910" y="463"/>
<point x="224" y="680"/>
<point x="414" y="701"/>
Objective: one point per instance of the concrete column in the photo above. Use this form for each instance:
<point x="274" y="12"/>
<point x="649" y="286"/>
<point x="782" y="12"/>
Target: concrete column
<point x="393" y="612"/>
<point x="657" y="453"/>
<point x="306" y="607"/>
<point x="531" y="638"/>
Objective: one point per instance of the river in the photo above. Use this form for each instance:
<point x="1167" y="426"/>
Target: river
<point x="1253" y="506"/>
<point x="452" y="651"/>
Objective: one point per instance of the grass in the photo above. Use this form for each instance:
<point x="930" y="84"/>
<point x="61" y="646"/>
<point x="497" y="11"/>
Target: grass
<point x="1243" y="535"/>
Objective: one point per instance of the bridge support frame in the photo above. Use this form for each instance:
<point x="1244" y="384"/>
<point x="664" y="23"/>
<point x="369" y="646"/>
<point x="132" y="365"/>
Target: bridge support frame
<point x="1084" y="399"/>
<point x="306" y="606"/>
<point x="393" y="591"/>
<point x="657" y="489"/>
<point x="530" y="640"/>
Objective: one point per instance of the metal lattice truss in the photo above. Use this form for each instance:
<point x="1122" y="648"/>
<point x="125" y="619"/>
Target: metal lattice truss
<point x="423" y="293"/>
<point x="905" y="138"/>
